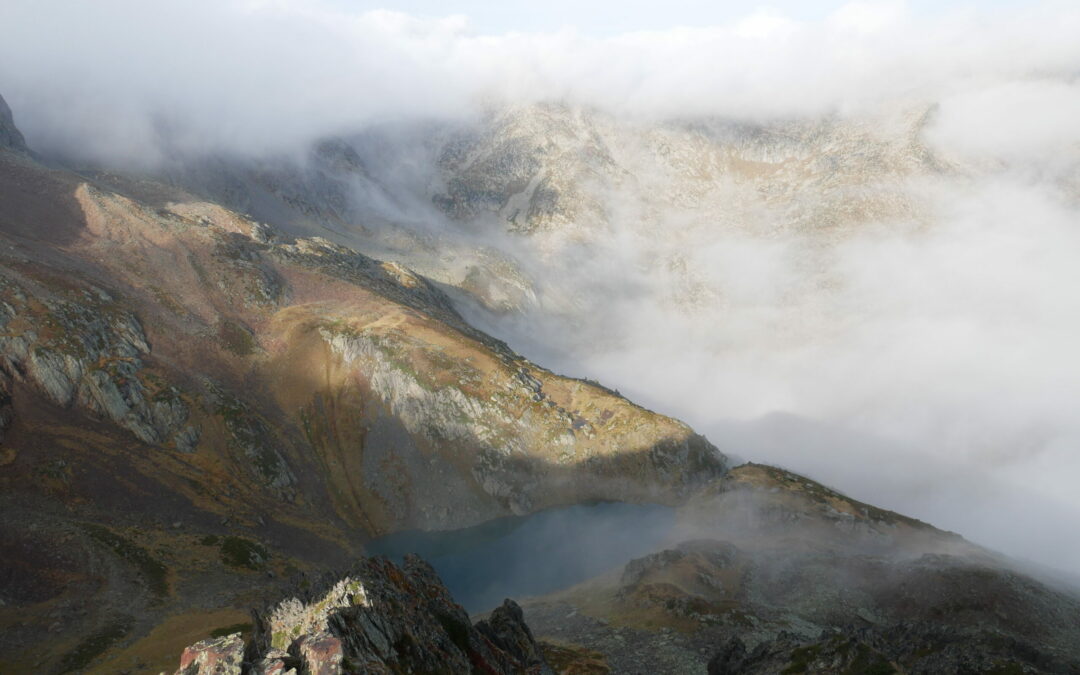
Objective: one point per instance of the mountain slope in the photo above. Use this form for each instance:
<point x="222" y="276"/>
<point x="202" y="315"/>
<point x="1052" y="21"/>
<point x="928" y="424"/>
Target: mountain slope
<point x="197" y="408"/>
<point x="771" y="572"/>
<point x="191" y="402"/>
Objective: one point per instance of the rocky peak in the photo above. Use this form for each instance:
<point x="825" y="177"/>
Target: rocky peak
<point x="379" y="618"/>
<point x="10" y="137"/>
<point x="550" y="167"/>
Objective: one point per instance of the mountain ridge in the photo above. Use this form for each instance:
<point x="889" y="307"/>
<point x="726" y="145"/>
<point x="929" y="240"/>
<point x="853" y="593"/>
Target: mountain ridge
<point x="199" y="408"/>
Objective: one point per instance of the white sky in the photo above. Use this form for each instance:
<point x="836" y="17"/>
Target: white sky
<point x="609" y="17"/>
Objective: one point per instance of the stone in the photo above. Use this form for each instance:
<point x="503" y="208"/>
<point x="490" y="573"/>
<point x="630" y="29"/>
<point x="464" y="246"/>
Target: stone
<point x="216" y="656"/>
<point x="379" y="618"/>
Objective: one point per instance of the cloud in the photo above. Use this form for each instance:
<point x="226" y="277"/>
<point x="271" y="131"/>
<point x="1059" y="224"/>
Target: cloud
<point x="123" y="80"/>
<point x="1018" y="121"/>
<point x="939" y="361"/>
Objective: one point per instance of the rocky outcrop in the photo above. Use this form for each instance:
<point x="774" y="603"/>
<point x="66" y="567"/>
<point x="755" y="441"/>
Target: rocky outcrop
<point x="507" y="630"/>
<point x="10" y="136"/>
<point x="532" y="167"/>
<point x="81" y="347"/>
<point x="216" y="656"/>
<point x="378" y="619"/>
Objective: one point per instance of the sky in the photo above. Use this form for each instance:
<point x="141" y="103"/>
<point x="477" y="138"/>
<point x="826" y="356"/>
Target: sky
<point x="610" y="17"/>
<point x="112" y="79"/>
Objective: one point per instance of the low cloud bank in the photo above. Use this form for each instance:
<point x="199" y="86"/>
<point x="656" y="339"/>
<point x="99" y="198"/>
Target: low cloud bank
<point x="124" y="81"/>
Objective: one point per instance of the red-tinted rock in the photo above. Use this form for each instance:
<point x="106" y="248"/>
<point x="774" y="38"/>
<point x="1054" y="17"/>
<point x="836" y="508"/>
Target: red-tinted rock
<point x="320" y="654"/>
<point x="379" y="619"/>
<point x="216" y="656"/>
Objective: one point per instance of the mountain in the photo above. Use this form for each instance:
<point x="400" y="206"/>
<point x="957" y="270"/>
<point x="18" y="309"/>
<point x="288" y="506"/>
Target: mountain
<point x="193" y="401"/>
<point x="218" y="385"/>
<point x="440" y="197"/>
<point x="776" y="573"/>
<point x="554" y="167"/>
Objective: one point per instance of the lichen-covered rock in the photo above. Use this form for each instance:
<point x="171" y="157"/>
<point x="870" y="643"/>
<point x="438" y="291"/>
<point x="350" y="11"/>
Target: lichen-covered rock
<point x="380" y="618"/>
<point x="216" y="656"/>
<point x="320" y="653"/>
<point x="275" y="662"/>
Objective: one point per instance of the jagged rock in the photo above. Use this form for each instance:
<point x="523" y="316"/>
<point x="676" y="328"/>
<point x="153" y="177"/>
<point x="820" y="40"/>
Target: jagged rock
<point x="320" y="653"/>
<point x="275" y="662"/>
<point x="507" y="630"/>
<point x="378" y="619"/>
<point x="216" y="656"/>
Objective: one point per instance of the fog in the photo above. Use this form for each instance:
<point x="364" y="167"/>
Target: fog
<point x="128" y="80"/>
<point x="924" y="360"/>
<point x="936" y="375"/>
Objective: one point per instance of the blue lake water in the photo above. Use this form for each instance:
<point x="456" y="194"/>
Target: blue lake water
<point x="535" y="554"/>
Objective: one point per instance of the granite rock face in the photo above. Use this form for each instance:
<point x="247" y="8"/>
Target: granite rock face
<point x="380" y="618"/>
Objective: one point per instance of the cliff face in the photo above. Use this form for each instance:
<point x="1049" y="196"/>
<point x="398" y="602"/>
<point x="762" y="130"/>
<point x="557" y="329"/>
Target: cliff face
<point x="191" y="401"/>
